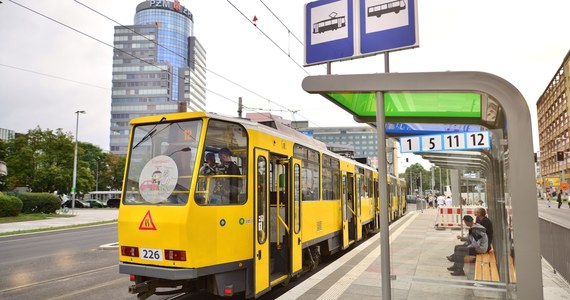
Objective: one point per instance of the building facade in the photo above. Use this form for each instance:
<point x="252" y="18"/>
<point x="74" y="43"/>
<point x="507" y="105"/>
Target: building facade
<point x="158" y="67"/>
<point x="552" y="110"/>
<point x="363" y="140"/>
<point x="7" y="134"/>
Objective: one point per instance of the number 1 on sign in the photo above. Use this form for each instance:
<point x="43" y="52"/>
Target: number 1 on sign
<point x="410" y="144"/>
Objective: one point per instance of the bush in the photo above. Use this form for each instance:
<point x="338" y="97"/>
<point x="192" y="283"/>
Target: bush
<point x="10" y="206"/>
<point x="40" y="203"/>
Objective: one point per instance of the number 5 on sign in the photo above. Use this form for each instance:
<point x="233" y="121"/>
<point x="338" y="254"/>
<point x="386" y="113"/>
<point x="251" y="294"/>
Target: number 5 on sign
<point x="410" y="144"/>
<point x="431" y="143"/>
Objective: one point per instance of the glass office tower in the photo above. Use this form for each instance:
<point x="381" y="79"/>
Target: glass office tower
<point x="158" y="67"/>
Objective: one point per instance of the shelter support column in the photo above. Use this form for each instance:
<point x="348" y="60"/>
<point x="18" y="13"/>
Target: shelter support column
<point x="455" y="187"/>
<point x="382" y="187"/>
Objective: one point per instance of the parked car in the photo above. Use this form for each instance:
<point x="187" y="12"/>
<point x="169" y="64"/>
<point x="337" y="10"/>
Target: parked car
<point x="78" y="204"/>
<point x="113" y="202"/>
<point x="96" y="203"/>
<point x="411" y="198"/>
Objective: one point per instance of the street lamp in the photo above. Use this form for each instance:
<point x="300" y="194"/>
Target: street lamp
<point x="97" y="175"/>
<point x="73" y="193"/>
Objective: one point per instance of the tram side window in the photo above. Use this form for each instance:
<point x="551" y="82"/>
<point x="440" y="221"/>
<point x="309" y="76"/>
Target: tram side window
<point x="310" y="173"/>
<point x="331" y="177"/>
<point x="223" y="171"/>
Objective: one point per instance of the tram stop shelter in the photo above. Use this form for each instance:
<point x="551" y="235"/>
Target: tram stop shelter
<point x="468" y="98"/>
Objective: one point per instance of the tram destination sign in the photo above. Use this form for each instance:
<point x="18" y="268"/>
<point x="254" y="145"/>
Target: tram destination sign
<point x="477" y="140"/>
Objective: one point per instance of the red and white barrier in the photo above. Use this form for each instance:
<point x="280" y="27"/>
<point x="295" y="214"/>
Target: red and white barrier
<point x="451" y="216"/>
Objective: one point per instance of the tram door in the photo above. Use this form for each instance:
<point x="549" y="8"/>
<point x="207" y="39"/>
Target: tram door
<point x="348" y="218"/>
<point x="357" y="205"/>
<point x="295" y="209"/>
<point x="376" y="206"/>
<point x="261" y="205"/>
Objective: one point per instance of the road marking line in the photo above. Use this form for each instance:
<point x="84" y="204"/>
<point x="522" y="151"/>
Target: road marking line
<point x="57" y="279"/>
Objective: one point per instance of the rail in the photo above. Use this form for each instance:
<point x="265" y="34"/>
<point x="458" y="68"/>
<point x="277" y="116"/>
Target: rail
<point x="554" y="245"/>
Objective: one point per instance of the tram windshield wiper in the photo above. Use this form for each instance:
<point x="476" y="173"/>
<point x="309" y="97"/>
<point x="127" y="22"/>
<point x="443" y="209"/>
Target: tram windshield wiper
<point x="149" y="134"/>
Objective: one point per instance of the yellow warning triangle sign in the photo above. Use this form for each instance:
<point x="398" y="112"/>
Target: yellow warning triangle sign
<point x="147" y="223"/>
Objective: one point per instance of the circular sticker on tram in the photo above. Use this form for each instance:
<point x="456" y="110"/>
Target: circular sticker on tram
<point x="241" y="221"/>
<point x="158" y="179"/>
<point x="223" y="222"/>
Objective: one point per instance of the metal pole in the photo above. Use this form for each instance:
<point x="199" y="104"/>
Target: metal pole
<point x="383" y="175"/>
<point x="73" y="193"/>
<point x="440" y="183"/>
<point x="240" y="105"/>
<point x="564" y="167"/>
<point x="421" y="189"/>
<point x="384" y="198"/>
<point x="97" y="176"/>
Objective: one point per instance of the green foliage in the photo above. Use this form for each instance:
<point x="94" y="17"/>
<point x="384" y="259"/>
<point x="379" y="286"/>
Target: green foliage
<point x="40" y="203"/>
<point x="10" y="206"/>
<point x="43" y="161"/>
<point x="412" y="175"/>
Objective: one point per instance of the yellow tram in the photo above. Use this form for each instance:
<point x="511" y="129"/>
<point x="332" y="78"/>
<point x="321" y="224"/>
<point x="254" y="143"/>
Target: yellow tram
<point x="265" y="208"/>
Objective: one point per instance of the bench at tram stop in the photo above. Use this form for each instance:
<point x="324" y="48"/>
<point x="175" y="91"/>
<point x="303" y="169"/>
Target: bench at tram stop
<point x="486" y="270"/>
<point x="486" y="267"/>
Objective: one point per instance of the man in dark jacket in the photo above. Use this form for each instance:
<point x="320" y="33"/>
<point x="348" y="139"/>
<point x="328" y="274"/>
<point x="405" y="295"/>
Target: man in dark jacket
<point x="559" y="199"/>
<point x="228" y="167"/>
<point x="478" y="242"/>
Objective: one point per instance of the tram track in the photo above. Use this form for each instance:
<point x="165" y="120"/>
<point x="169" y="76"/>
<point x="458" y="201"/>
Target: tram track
<point x="61" y="278"/>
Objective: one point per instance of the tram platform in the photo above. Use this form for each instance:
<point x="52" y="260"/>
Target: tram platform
<point x="418" y="267"/>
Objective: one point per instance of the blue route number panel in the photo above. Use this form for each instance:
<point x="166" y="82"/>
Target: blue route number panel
<point x="480" y="140"/>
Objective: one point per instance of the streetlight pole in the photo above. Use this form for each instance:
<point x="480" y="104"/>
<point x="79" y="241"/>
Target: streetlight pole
<point x="97" y="176"/>
<point x="73" y="193"/>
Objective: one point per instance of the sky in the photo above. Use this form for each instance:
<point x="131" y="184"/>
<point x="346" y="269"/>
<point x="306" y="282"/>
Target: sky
<point x="49" y="71"/>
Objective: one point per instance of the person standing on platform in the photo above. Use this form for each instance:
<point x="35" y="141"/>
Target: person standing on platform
<point x="440" y="200"/>
<point x="448" y="201"/>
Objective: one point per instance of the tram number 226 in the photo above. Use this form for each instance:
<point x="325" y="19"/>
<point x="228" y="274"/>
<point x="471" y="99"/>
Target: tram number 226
<point x="151" y="254"/>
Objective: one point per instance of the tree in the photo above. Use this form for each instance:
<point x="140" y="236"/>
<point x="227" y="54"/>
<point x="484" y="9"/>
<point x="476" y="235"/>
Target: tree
<point x="415" y="170"/>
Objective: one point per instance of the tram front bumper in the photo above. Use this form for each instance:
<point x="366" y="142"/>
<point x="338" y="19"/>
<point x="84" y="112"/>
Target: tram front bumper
<point x="158" y="272"/>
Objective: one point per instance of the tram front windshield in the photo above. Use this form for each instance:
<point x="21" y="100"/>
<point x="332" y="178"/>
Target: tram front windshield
<point x="161" y="163"/>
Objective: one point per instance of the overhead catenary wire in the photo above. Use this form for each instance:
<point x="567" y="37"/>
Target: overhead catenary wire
<point x="272" y="41"/>
<point x="276" y="17"/>
<point x="136" y="57"/>
<point x="56" y="77"/>
<point x="185" y="59"/>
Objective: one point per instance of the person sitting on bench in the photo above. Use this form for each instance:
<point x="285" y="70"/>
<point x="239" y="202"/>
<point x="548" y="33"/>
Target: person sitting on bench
<point x="477" y="242"/>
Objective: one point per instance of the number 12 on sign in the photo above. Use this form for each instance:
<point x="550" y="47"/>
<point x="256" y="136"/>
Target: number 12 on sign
<point x="446" y="142"/>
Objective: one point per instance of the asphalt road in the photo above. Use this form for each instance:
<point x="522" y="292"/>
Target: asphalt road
<point x="68" y="264"/>
<point x="560" y="216"/>
<point x="62" y="265"/>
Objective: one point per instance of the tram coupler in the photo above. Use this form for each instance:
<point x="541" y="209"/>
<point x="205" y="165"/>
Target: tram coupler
<point x="142" y="287"/>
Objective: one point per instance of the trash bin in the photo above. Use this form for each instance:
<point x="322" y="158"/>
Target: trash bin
<point x="421" y="204"/>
